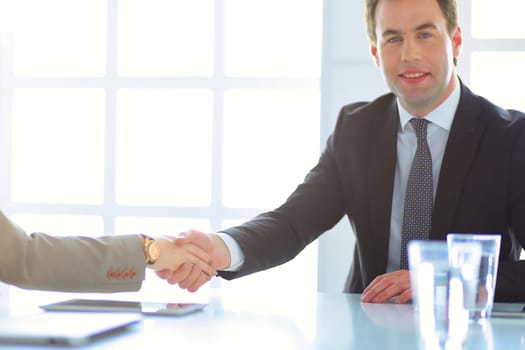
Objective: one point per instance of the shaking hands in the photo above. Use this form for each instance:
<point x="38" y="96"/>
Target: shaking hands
<point x="191" y="259"/>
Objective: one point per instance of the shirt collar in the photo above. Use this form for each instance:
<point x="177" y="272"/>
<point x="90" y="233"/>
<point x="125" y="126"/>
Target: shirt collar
<point x="442" y="115"/>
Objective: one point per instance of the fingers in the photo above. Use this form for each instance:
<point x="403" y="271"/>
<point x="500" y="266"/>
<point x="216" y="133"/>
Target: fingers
<point x="202" y="279"/>
<point x="192" y="278"/>
<point x="180" y="274"/>
<point x="189" y="276"/>
<point x="164" y="274"/>
<point x="387" y="286"/>
<point x="185" y="277"/>
<point x="404" y="297"/>
<point x="205" y="268"/>
<point x="197" y="253"/>
<point x="198" y="257"/>
<point x="193" y="236"/>
<point x="181" y="240"/>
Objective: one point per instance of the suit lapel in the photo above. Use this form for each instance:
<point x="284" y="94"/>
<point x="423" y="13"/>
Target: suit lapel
<point x="380" y="180"/>
<point x="465" y="135"/>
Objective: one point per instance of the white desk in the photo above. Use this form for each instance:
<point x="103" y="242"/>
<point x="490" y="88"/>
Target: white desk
<point x="322" y="321"/>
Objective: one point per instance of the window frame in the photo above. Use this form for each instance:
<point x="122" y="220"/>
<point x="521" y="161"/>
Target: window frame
<point x="111" y="82"/>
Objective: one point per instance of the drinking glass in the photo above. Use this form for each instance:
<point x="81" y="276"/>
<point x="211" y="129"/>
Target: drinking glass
<point x="441" y="317"/>
<point x="483" y="299"/>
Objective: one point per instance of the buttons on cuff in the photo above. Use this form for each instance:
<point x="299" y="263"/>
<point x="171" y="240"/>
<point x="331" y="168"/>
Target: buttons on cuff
<point x="126" y="274"/>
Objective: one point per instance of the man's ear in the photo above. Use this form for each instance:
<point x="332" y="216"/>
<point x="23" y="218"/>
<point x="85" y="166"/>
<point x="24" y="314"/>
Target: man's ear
<point x="373" y="52"/>
<point x="457" y="42"/>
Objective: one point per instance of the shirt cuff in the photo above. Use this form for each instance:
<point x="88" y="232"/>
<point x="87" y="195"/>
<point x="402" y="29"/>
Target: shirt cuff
<point x="236" y="254"/>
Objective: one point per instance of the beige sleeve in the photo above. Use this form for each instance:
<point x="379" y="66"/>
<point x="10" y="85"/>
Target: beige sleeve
<point x="74" y="263"/>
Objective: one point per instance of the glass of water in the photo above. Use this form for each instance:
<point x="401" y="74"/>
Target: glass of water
<point x="481" y="305"/>
<point x="441" y="317"/>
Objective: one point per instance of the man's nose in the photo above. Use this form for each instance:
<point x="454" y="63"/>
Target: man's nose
<point x="410" y="50"/>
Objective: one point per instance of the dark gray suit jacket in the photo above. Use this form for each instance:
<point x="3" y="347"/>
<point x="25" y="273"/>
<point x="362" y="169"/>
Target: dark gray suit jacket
<point x="481" y="189"/>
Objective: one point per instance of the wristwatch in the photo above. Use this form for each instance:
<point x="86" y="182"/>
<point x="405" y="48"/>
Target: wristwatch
<point x="151" y="249"/>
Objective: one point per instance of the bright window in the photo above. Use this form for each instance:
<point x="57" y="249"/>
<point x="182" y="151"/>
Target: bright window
<point x="58" y="145"/>
<point x="157" y="116"/>
<point x="164" y="147"/>
<point x="161" y="38"/>
<point x="60" y="38"/>
<point x="278" y="131"/>
<point x="495" y="50"/>
<point x="502" y="84"/>
<point x="272" y="38"/>
<point x="498" y="20"/>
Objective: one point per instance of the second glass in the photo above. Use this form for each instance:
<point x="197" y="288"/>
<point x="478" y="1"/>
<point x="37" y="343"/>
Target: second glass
<point x="481" y="306"/>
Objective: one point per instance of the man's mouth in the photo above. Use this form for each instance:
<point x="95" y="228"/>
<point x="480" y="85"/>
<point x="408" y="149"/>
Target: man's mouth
<point x="413" y="75"/>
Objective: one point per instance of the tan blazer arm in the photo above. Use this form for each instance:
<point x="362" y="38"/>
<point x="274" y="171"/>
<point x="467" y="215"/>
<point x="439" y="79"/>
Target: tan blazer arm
<point x="75" y="264"/>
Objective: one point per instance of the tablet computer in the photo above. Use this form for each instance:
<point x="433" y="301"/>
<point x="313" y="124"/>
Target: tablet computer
<point x="63" y="328"/>
<point x="143" y="307"/>
<point x="515" y="310"/>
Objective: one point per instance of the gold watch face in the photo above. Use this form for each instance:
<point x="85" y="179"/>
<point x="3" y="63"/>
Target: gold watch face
<point x="153" y="251"/>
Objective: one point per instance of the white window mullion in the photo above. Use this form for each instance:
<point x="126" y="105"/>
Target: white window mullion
<point x="6" y="94"/>
<point x="111" y="84"/>
<point x="216" y="206"/>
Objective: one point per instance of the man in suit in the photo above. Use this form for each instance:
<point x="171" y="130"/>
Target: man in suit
<point x="83" y="264"/>
<point x="476" y="175"/>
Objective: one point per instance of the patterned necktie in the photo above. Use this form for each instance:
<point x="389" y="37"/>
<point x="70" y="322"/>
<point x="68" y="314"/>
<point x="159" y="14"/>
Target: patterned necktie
<point x="417" y="215"/>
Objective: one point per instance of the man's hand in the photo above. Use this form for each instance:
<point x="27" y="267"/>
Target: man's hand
<point x="387" y="286"/>
<point x="173" y="256"/>
<point x="189" y="275"/>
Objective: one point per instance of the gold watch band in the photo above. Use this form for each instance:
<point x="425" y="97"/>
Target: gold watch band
<point x="151" y="249"/>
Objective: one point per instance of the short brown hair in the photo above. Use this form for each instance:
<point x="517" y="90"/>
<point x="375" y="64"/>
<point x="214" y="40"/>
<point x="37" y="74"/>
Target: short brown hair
<point x="448" y="7"/>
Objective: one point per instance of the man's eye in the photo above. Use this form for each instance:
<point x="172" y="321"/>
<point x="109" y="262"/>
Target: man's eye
<point x="425" y="35"/>
<point x="394" y="39"/>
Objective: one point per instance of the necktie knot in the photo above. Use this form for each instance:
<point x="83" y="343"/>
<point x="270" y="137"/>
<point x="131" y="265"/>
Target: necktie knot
<point x="420" y="127"/>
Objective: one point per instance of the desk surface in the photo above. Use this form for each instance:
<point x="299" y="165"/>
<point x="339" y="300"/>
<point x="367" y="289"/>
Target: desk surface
<point x="319" y="321"/>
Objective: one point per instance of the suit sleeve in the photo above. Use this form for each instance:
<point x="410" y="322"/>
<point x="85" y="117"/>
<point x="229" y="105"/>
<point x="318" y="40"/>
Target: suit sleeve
<point x="511" y="274"/>
<point x="70" y="264"/>
<point x="277" y="236"/>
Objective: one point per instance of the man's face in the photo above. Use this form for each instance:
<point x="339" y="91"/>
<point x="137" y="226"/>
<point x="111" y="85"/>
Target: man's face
<point x="415" y="52"/>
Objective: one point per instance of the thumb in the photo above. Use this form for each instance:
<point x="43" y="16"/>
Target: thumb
<point x="164" y="274"/>
<point x="185" y="237"/>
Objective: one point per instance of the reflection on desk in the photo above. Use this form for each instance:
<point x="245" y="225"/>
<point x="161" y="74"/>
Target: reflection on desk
<point x="317" y="321"/>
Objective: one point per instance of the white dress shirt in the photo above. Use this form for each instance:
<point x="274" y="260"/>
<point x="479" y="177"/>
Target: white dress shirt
<point x="437" y="135"/>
